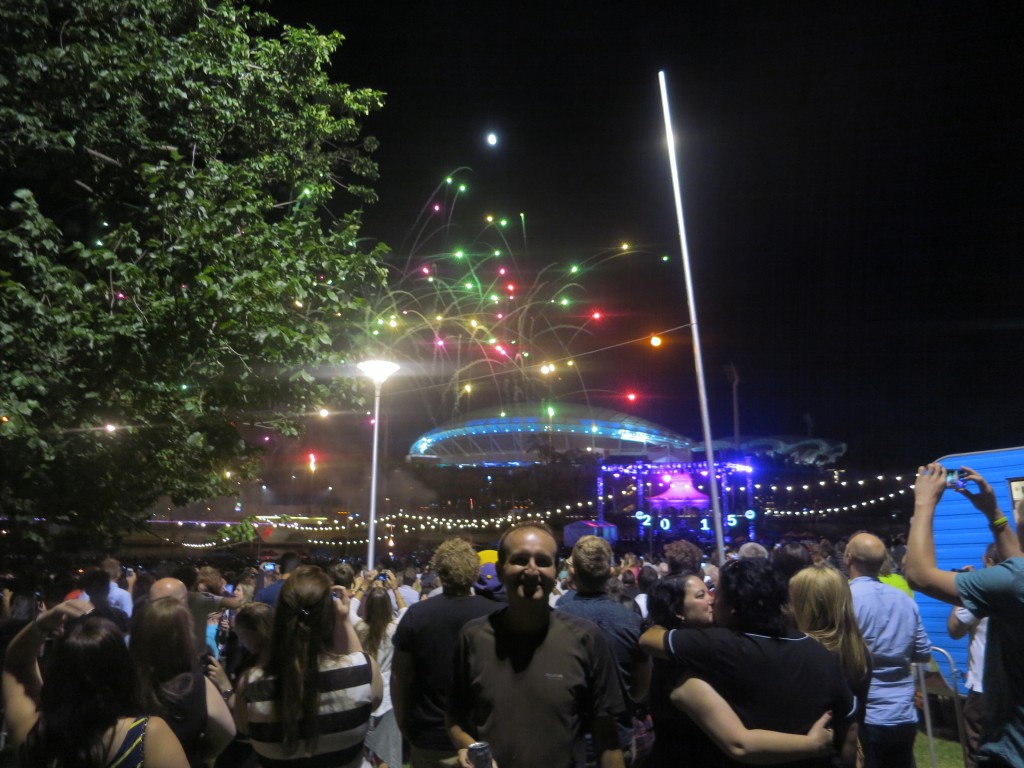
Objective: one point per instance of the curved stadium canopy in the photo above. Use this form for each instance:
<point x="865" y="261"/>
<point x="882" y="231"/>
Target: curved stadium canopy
<point x="520" y="434"/>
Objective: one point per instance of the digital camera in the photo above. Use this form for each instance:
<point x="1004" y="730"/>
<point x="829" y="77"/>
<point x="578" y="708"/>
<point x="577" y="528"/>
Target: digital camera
<point x="956" y="478"/>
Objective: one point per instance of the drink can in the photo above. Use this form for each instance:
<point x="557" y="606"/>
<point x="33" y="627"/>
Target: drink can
<point x="479" y="754"/>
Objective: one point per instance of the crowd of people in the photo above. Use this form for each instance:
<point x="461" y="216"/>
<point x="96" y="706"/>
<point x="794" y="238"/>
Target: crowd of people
<point x="797" y="654"/>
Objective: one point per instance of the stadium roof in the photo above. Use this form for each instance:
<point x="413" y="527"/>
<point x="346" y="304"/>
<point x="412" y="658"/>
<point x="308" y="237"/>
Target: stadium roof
<point x="521" y="434"/>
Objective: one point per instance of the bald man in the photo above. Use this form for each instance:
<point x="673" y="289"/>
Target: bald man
<point x="896" y="638"/>
<point x="169" y="588"/>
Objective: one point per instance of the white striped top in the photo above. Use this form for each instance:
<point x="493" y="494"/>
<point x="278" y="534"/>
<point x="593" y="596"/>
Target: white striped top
<point x="346" y="698"/>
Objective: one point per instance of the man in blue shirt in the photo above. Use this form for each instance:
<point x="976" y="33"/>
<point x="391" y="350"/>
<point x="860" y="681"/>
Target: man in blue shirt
<point x="996" y="592"/>
<point x="590" y="569"/>
<point x="896" y="638"/>
<point x="117" y="597"/>
<point x="289" y="562"/>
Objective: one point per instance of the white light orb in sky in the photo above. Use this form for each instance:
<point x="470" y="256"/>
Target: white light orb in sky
<point x="492" y="139"/>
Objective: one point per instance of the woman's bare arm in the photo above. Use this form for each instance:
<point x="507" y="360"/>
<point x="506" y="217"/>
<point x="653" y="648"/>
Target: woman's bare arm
<point x="162" y="748"/>
<point x="22" y="682"/>
<point x="754" y="746"/>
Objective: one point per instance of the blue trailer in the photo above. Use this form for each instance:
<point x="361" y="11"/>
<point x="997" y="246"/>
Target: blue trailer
<point x="962" y="534"/>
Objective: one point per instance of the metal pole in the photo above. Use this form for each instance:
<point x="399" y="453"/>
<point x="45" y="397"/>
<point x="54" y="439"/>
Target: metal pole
<point x="919" y="670"/>
<point x="716" y="506"/>
<point x="370" y="562"/>
<point x="734" y="378"/>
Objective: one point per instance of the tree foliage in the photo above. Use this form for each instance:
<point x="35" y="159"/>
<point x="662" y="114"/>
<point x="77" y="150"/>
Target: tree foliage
<point x="167" y="265"/>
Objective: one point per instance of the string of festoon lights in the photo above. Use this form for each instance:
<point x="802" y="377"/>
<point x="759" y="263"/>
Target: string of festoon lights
<point x="843" y="508"/>
<point x="421" y="522"/>
<point x="410" y="522"/>
<point x="835" y="485"/>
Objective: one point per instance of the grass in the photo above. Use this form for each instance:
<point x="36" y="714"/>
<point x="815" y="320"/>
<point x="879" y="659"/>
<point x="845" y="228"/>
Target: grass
<point x="947" y="753"/>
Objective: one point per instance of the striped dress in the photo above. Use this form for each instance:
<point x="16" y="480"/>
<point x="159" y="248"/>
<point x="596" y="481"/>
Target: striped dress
<point x="133" y="746"/>
<point x="346" y="701"/>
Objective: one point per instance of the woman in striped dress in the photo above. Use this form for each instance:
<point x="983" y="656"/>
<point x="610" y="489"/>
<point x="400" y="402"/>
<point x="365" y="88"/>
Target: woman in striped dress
<point x="309" y="705"/>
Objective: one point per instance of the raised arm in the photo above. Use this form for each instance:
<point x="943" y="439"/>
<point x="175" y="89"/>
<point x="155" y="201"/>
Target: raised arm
<point x="345" y="639"/>
<point x="753" y="746"/>
<point x="22" y="682"/>
<point x="985" y="502"/>
<point x="1016" y="548"/>
<point x="231" y="602"/>
<point x="919" y="562"/>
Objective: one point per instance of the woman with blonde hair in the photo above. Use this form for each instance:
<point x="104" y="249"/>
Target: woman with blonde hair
<point x="822" y="605"/>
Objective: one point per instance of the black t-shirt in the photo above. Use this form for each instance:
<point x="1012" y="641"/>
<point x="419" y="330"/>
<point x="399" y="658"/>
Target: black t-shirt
<point x="533" y="695"/>
<point x="778" y="684"/>
<point x="429" y="632"/>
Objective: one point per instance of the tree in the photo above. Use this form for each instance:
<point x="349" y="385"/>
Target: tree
<point x="165" y="263"/>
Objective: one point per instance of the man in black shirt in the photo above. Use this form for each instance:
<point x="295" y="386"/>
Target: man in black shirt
<point x="529" y="680"/>
<point x="421" y="670"/>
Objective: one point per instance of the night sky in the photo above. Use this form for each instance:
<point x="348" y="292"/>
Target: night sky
<point x="851" y="183"/>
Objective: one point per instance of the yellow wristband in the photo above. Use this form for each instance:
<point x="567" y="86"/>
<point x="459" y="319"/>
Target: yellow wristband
<point x="998" y="523"/>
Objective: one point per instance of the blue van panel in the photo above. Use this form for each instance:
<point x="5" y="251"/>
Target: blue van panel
<point x="961" y="536"/>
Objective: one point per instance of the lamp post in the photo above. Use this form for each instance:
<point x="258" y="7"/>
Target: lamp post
<point x="378" y="371"/>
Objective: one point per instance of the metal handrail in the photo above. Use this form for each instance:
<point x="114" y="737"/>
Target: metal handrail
<point x="957" y="704"/>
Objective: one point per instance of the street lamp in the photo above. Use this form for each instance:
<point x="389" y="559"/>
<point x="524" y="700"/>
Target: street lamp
<point x="378" y="371"/>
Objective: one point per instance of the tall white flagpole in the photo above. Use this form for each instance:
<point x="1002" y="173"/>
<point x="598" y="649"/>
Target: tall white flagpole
<point x="716" y="505"/>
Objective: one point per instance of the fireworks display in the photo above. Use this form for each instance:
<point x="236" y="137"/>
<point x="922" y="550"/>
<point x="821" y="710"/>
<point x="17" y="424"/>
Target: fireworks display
<point x="476" y="320"/>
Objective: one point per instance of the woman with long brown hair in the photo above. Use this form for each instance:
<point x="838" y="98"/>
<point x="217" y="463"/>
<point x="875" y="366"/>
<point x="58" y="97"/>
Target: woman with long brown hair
<point x="311" y="701"/>
<point x="172" y="683"/>
<point x="83" y="709"/>
<point x="376" y="630"/>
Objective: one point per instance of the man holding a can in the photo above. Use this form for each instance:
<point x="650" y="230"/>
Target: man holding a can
<point x="530" y="681"/>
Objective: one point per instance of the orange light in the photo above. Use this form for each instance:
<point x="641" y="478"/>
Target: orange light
<point x="655" y="341"/>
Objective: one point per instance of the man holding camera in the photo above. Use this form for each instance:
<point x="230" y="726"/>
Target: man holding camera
<point x="289" y="562"/>
<point x="996" y="592"/>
